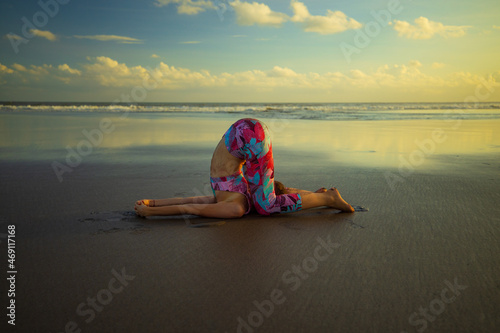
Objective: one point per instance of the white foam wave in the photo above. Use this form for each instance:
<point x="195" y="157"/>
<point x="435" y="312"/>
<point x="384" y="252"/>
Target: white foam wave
<point x="336" y="111"/>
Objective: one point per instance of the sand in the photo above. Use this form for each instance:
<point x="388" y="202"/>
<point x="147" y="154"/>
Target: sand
<point x="423" y="258"/>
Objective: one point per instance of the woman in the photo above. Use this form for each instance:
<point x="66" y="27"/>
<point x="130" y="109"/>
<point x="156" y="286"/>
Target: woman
<point x="246" y="143"/>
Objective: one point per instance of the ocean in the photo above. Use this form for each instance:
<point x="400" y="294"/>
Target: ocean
<point x="313" y="111"/>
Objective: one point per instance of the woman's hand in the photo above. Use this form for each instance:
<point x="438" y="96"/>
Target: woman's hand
<point x="141" y="208"/>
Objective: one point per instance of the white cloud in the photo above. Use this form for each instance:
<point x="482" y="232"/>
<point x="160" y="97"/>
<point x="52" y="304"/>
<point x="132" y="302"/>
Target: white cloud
<point x="188" y="7"/>
<point x="260" y="14"/>
<point x="111" y="38"/>
<point x="155" y="56"/>
<point x="415" y="63"/>
<point x="388" y="82"/>
<point x="44" y="34"/>
<point x="400" y="77"/>
<point x="32" y="70"/>
<point x="66" y="74"/>
<point x="496" y="27"/>
<point x="257" y="13"/>
<point x="67" y="69"/>
<point x="5" y="69"/>
<point x="437" y="65"/>
<point x="40" y="70"/>
<point x="19" y="67"/>
<point x="333" y="22"/>
<point x="12" y="36"/>
<point x="109" y="72"/>
<point x="278" y="71"/>
<point x="179" y="78"/>
<point x="425" y="29"/>
<point x="39" y="74"/>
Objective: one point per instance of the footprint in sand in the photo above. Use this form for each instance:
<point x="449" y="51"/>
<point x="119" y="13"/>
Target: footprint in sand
<point x="110" y="222"/>
<point x="360" y="209"/>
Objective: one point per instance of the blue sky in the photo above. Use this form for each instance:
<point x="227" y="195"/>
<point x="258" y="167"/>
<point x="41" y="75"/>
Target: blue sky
<point x="246" y="51"/>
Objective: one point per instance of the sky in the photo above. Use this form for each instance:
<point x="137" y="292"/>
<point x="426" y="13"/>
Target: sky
<point x="244" y="51"/>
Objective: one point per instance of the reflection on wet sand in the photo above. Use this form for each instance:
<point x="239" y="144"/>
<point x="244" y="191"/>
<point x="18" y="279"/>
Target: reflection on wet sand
<point x="362" y="143"/>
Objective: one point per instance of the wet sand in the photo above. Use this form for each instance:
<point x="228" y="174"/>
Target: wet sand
<point x="423" y="258"/>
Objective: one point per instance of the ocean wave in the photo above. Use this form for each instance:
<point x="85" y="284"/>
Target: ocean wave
<point x="333" y="111"/>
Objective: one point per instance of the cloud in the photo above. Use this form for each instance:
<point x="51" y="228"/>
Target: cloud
<point x="400" y="77"/>
<point x="65" y="68"/>
<point x="258" y="14"/>
<point x="333" y="22"/>
<point x="496" y="27"/>
<point x="111" y="73"/>
<point x="5" y="69"/>
<point x="415" y="64"/>
<point x="19" y="68"/>
<point x="111" y="38"/>
<point x="278" y="71"/>
<point x="36" y="33"/>
<point x="40" y="71"/>
<point x="66" y="74"/>
<point x="387" y="83"/>
<point x="255" y="13"/>
<point x="437" y="65"/>
<point x="188" y="7"/>
<point x="426" y="29"/>
<point x="32" y="70"/>
<point x="44" y="75"/>
<point x="12" y="36"/>
<point x="155" y="56"/>
<point x="44" y="34"/>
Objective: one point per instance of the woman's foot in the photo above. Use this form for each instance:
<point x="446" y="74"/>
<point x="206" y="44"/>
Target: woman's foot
<point x="321" y="190"/>
<point x="141" y="207"/>
<point x="337" y="202"/>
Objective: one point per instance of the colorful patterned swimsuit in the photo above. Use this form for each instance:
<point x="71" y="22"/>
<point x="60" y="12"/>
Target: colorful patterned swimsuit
<point x="249" y="139"/>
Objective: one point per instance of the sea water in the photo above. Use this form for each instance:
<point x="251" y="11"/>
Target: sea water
<point x="314" y="111"/>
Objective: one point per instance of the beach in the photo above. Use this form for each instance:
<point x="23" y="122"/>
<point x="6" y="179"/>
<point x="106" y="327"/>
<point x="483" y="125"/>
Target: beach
<point x="420" y="254"/>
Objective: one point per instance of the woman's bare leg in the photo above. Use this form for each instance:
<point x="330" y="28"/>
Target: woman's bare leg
<point x="299" y="191"/>
<point x="219" y="209"/>
<point x="330" y="198"/>
<point x="183" y="201"/>
<point x="179" y="201"/>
